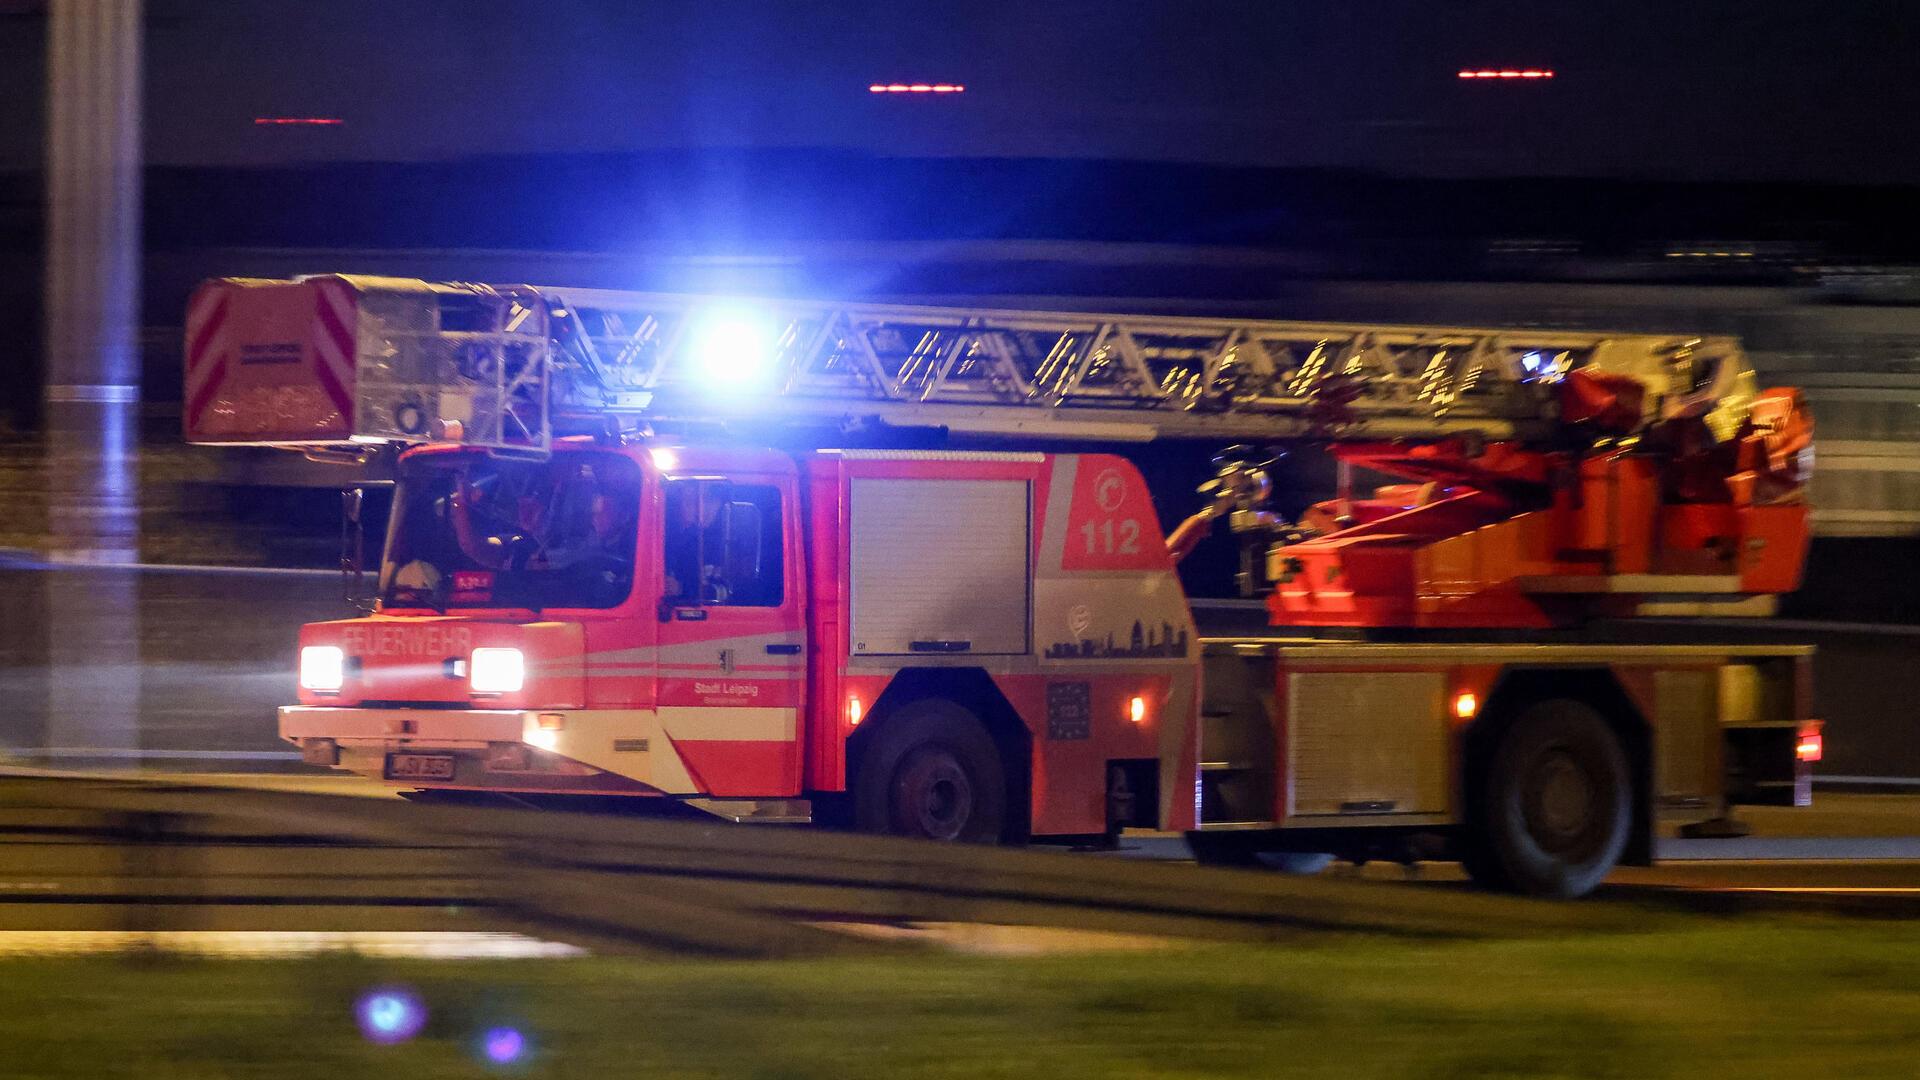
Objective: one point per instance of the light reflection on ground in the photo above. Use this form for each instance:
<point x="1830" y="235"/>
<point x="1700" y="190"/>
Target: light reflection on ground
<point x="988" y="939"/>
<point x="277" y="944"/>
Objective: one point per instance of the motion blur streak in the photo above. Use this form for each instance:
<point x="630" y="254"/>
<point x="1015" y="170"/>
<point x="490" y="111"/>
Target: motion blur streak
<point x="1834" y="890"/>
<point x="274" y="944"/>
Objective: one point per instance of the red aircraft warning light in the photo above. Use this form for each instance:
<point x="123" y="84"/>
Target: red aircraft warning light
<point x="916" y="88"/>
<point x="1507" y="73"/>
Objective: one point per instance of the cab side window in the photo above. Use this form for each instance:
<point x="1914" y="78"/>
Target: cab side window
<point x="722" y="546"/>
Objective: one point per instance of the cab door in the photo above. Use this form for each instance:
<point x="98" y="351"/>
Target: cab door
<point x="732" y="666"/>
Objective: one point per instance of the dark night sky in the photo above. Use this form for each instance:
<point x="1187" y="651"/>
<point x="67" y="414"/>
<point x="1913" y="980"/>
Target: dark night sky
<point x="1690" y="89"/>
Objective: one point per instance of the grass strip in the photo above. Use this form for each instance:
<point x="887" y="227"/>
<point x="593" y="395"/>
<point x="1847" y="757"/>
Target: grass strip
<point x="1691" y="997"/>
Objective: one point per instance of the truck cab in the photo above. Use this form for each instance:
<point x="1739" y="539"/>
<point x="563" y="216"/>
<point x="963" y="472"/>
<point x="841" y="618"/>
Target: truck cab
<point x="587" y="622"/>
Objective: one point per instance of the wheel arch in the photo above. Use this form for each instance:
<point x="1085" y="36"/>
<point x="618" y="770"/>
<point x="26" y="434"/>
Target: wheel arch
<point x="973" y="689"/>
<point x="1598" y="687"/>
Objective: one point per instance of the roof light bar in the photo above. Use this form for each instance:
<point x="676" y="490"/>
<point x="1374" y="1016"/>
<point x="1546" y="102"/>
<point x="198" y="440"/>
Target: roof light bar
<point x="1507" y="73"/>
<point x="916" y="88"/>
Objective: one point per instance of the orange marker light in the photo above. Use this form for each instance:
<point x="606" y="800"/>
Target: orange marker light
<point x="1137" y="709"/>
<point x="1465" y="704"/>
<point x="853" y="712"/>
<point x="1810" y="747"/>
<point x="553" y="721"/>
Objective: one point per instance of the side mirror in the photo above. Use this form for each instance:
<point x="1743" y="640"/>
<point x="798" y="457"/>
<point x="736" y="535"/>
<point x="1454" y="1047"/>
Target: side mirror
<point x="354" y="512"/>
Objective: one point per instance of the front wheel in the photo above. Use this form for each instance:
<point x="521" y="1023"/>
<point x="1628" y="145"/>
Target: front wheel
<point x="1556" y="804"/>
<point x="934" y="774"/>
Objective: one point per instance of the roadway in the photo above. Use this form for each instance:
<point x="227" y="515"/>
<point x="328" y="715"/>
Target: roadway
<point x="144" y="859"/>
<point x="1848" y="852"/>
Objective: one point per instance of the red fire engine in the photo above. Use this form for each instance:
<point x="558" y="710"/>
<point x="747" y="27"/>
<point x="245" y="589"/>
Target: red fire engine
<point x="783" y="561"/>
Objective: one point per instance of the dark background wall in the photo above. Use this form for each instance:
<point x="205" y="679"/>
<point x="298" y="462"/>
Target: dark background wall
<point x="215" y="652"/>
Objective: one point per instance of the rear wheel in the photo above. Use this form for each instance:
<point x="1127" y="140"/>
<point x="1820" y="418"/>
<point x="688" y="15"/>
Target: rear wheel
<point x="1556" y="804"/>
<point x="934" y="774"/>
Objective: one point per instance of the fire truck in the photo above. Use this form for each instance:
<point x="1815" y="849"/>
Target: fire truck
<point x="892" y="566"/>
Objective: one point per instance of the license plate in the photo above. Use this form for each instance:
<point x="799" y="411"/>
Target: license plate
<point x="419" y="767"/>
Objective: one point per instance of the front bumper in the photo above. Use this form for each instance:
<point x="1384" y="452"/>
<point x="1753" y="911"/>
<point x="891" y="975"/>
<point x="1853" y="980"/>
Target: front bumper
<point x="498" y="749"/>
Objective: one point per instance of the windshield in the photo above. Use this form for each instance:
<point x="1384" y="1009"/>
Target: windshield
<point x="474" y="531"/>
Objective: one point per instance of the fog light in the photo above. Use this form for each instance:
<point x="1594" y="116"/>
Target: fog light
<point x="323" y="668"/>
<point x="497" y="671"/>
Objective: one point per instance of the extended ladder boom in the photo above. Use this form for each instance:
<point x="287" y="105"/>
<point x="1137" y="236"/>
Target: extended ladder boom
<point x="335" y="359"/>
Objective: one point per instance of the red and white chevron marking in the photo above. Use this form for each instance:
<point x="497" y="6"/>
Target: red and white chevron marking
<point x="207" y="345"/>
<point x="334" y="344"/>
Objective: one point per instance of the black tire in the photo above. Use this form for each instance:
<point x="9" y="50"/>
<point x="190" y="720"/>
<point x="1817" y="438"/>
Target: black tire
<point x="933" y="774"/>
<point x="1556" y="804"/>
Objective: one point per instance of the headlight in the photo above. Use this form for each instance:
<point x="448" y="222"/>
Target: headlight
<point x="322" y="667"/>
<point x="497" y="671"/>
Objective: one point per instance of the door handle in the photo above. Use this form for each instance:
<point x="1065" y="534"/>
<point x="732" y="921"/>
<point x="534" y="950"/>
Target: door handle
<point x="940" y="646"/>
<point x="783" y="650"/>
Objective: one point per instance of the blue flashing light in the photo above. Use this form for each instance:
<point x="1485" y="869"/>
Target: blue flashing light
<point x="389" y="1016"/>
<point x="1532" y="362"/>
<point x="731" y="349"/>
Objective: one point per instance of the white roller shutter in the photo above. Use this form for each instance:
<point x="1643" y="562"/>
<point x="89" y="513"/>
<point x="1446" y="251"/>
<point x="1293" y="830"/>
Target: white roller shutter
<point x="939" y="567"/>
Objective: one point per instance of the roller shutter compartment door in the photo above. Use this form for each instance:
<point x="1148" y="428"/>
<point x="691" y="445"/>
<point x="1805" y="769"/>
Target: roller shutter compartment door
<point x="939" y="567"/>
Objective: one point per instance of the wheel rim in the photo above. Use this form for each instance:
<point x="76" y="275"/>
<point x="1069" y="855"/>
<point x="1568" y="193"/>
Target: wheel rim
<point x="1561" y="803"/>
<point x="932" y="796"/>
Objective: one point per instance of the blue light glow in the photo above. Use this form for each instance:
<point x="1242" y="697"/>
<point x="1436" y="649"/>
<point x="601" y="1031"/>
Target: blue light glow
<point x="503" y="1046"/>
<point x="389" y="1016"/>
